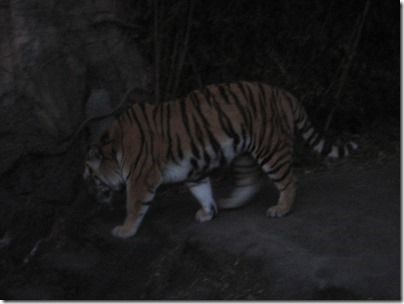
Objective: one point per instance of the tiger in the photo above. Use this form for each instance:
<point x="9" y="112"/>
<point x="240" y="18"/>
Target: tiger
<point x="249" y="125"/>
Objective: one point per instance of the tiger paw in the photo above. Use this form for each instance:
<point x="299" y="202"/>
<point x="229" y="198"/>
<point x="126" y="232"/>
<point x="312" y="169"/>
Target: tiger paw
<point x="122" y="232"/>
<point x="203" y="216"/>
<point x="277" y="211"/>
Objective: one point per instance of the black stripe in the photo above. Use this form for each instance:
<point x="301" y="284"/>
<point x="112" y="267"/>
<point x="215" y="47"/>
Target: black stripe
<point x="281" y="119"/>
<point x="224" y="120"/>
<point x="206" y="157"/>
<point x="326" y="148"/>
<point x="243" y="139"/>
<point x="223" y="94"/>
<point x="264" y="125"/>
<point x="156" y="110"/>
<point x="198" y="129"/>
<point x="278" y="167"/>
<point x="241" y="87"/>
<point x="199" y="135"/>
<point x="207" y="94"/>
<point x="269" y="140"/>
<point x="185" y="121"/>
<point x="169" y="154"/>
<point x="194" y="163"/>
<point x="184" y="117"/>
<point x="249" y="120"/>
<point x="284" y="175"/>
<point x="179" y="148"/>
<point x="247" y="123"/>
<point x="143" y="110"/>
<point x="270" y="155"/>
<point x="240" y="107"/>
<point x="121" y="143"/>
<point x="213" y="142"/>
<point x="306" y="127"/>
<point x="195" y="167"/>
<point x="251" y="101"/>
<point x="314" y="139"/>
<point x="254" y="143"/>
<point x="148" y="125"/>
<point x="141" y="145"/>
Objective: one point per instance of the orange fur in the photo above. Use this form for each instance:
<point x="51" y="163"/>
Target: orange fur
<point x="184" y="140"/>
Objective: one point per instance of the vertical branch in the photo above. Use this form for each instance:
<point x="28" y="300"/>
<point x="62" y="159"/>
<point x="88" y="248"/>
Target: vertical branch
<point x="156" y="53"/>
<point x="347" y="65"/>
<point x="168" y="94"/>
<point x="185" y="47"/>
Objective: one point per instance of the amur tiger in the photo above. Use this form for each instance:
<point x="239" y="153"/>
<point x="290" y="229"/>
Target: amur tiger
<point x="249" y="125"/>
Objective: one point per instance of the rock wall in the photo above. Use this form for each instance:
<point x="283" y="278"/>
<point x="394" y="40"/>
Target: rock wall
<point x="54" y="55"/>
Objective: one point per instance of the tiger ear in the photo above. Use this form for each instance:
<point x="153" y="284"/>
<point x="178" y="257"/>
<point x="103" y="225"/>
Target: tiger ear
<point x="94" y="158"/>
<point x="94" y="153"/>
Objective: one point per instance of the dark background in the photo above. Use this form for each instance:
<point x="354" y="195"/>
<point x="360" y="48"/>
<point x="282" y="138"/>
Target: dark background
<point x="64" y="61"/>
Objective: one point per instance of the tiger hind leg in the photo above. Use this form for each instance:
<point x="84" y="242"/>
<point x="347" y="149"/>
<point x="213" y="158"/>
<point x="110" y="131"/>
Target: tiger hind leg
<point x="247" y="183"/>
<point x="279" y="170"/>
<point x="202" y="191"/>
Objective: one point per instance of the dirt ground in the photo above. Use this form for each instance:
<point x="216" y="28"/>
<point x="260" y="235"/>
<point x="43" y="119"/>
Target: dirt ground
<point x="342" y="241"/>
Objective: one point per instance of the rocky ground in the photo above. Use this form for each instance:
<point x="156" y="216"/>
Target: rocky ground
<point x="342" y="241"/>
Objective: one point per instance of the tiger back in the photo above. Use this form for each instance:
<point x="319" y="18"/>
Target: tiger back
<point x="249" y="125"/>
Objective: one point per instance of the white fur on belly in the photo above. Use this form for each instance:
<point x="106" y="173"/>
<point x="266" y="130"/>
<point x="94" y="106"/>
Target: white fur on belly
<point x="178" y="172"/>
<point x="174" y="173"/>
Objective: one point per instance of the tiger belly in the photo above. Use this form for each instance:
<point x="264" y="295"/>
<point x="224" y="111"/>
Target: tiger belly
<point x="176" y="172"/>
<point x="185" y="171"/>
<point x="191" y="169"/>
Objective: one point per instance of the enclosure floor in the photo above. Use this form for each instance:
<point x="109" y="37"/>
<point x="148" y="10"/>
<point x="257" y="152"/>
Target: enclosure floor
<point x="342" y="241"/>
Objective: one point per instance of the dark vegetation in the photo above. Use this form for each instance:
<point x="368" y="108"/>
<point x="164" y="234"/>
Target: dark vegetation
<point x="328" y="54"/>
<point x="341" y="59"/>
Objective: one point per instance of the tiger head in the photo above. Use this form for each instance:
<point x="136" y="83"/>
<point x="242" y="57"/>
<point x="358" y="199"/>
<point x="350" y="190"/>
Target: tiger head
<point x="103" y="173"/>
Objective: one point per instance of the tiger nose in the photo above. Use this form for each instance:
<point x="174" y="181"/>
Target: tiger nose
<point x="106" y="195"/>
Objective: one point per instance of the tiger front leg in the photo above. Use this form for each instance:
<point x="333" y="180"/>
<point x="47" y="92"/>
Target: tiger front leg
<point x="131" y="224"/>
<point x="137" y="198"/>
<point x="202" y="191"/>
